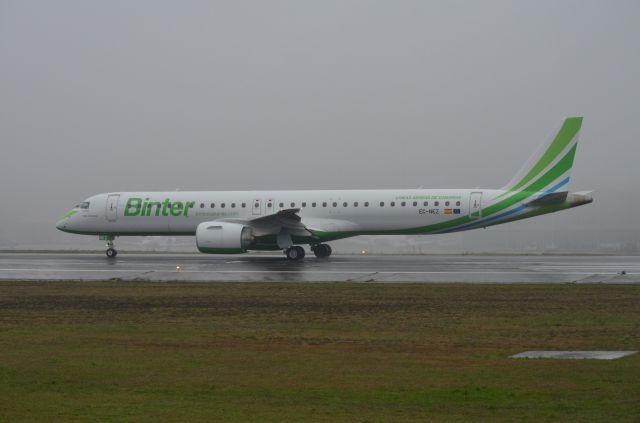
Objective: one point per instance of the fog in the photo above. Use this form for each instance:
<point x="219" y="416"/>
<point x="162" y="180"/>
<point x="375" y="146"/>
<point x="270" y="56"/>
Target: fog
<point x="121" y="95"/>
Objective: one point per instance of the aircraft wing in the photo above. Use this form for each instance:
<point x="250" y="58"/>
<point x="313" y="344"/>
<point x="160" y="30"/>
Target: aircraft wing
<point x="286" y="219"/>
<point x="287" y="223"/>
<point x="284" y="224"/>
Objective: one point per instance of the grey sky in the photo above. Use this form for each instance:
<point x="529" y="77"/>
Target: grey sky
<point x="122" y="95"/>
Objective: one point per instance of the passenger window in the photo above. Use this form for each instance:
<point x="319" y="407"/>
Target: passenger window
<point x="344" y="204"/>
<point x="281" y="205"/>
<point x="381" y="203"/>
<point x="233" y="205"/>
<point x="268" y="205"/>
<point x="355" y="204"/>
<point x="426" y="203"/>
<point x="335" y="204"/>
<point x="293" y="204"/>
<point x="202" y="205"/>
<point x="366" y="204"/>
<point x="446" y="203"/>
<point x="304" y="204"/>
<point x="403" y="204"/>
<point x="222" y="205"/>
<point x="212" y="205"/>
<point x="392" y="204"/>
<point x="415" y="203"/>
<point x="324" y="204"/>
<point x="457" y="203"/>
<point x="437" y="203"/>
<point x="244" y="205"/>
<point x="313" y="204"/>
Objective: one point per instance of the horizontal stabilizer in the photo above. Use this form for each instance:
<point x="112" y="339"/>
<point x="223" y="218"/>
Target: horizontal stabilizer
<point x="552" y="198"/>
<point x="579" y="198"/>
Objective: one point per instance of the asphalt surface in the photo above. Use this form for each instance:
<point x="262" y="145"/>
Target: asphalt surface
<point x="365" y="268"/>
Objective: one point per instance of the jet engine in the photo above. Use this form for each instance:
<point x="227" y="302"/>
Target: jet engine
<point x="223" y="238"/>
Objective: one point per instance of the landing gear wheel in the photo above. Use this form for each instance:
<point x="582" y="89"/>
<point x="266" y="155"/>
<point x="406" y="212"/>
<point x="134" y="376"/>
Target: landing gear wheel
<point x="295" y="253"/>
<point x="111" y="252"/>
<point x="322" y="250"/>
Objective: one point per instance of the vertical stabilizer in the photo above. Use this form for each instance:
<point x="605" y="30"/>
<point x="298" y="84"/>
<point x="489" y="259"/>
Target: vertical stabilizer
<point x="549" y="168"/>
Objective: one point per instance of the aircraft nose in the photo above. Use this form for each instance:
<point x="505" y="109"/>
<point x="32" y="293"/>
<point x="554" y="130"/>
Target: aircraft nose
<point x="61" y="225"/>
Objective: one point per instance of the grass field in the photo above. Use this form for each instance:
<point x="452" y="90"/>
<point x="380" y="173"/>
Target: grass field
<point x="147" y="352"/>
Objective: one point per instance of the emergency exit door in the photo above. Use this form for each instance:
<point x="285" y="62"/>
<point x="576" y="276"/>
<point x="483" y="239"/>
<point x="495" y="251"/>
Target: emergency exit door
<point x="257" y="207"/>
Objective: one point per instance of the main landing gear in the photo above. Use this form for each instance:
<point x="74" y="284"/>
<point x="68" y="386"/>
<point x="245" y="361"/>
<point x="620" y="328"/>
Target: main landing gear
<point x="321" y="250"/>
<point x="296" y="252"/>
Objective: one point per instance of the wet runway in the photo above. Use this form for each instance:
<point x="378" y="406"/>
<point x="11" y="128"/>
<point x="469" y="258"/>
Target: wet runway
<point x="263" y="268"/>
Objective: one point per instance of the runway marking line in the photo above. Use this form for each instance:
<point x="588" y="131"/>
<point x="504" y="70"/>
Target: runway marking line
<point x="302" y="271"/>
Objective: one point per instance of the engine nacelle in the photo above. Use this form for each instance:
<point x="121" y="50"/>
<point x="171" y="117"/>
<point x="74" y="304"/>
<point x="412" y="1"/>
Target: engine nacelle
<point x="223" y="238"/>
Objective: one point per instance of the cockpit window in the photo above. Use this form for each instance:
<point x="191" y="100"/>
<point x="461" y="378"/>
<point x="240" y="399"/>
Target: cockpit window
<point x="84" y="205"/>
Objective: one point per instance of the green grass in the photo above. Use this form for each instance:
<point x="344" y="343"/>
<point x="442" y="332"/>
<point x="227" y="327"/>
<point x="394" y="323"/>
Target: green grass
<point x="138" y="352"/>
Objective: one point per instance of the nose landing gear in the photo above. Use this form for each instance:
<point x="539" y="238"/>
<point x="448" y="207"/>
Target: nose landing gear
<point x="111" y="251"/>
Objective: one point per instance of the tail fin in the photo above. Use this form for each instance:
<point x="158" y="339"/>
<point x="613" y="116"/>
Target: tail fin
<point x="549" y="168"/>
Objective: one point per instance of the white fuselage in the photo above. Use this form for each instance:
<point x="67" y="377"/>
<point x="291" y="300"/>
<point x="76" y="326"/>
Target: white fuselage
<point x="362" y="211"/>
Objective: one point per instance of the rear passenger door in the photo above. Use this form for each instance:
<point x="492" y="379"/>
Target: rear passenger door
<point x="475" y="205"/>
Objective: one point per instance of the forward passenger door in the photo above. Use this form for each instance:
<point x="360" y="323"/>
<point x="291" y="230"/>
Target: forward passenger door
<point x="112" y="207"/>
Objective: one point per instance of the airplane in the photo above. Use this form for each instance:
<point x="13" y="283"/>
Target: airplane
<point x="232" y="222"/>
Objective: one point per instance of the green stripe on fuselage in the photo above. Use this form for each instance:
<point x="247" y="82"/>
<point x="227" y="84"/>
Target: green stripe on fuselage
<point x="554" y="173"/>
<point x="69" y="214"/>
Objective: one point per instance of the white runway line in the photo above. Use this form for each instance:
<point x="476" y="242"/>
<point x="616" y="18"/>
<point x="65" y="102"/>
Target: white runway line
<point x="421" y="272"/>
